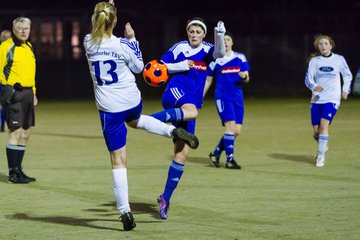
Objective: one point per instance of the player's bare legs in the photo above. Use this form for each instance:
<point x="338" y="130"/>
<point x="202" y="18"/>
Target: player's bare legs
<point x="190" y="111"/>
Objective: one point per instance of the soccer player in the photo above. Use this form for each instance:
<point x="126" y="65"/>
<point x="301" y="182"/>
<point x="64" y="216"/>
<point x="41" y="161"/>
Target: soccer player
<point x="183" y="96"/>
<point x="111" y="62"/>
<point x="323" y="79"/>
<point x="229" y="71"/>
<point x="18" y="68"/>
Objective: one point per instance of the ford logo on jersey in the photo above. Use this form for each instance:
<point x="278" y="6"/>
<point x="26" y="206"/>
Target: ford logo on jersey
<point x="326" y="69"/>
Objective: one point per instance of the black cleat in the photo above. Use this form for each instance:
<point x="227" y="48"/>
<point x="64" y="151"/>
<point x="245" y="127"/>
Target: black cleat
<point x="214" y="159"/>
<point x="232" y="165"/>
<point x="188" y="138"/>
<point x="16" y="176"/>
<point x="31" y="179"/>
<point x="128" y="221"/>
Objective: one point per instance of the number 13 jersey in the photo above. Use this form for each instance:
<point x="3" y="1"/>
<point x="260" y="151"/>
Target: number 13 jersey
<point x="112" y="64"/>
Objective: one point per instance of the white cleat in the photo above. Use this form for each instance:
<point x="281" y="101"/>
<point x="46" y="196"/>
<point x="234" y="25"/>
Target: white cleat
<point x="320" y="161"/>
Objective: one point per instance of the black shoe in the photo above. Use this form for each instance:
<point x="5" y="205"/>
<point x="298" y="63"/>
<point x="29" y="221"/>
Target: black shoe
<point x="15" y="176"/>
<point x="232" y="165"/>
<point x="128" y="221"/>
<point x="188" y="138"/>
<point x="31" y="179"/>
<point x="214" y="159"/>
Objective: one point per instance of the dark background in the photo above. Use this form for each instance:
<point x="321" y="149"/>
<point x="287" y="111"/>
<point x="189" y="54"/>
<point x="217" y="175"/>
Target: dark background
<point x="276" y="37"/>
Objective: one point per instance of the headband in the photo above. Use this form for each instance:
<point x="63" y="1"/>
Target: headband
<point x="198" y="22"/>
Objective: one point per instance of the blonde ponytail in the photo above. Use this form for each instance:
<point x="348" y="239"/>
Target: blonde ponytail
<point x="103" y="22"/>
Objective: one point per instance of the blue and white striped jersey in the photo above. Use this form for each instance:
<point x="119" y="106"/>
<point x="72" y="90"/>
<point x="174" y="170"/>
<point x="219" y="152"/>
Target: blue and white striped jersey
<point x="194" y="79"/>
<point x="226" y="71"/>
<point x="325" y="72"/>
<point x="111" y="65"/>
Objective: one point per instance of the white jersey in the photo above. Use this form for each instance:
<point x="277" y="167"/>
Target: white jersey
<point x="325" y="72"/>
<point x="111" y="65"/>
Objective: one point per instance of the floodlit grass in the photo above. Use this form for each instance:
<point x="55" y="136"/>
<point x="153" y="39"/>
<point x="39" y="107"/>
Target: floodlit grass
<point x="278" y="194"/>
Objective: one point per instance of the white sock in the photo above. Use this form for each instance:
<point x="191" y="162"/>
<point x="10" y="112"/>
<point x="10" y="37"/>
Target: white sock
<point x="153" y="125"/>
<point x="323" y="141"/>
<point x="121" y="190"/>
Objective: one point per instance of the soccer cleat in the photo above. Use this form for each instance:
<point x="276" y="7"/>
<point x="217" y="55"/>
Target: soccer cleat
<point x="320" y="161"/>
<point x="188" y="138"/>
<point x="163" y="206"/>
<point x="31" y="179"/>
<point x="232" y="165"/>
<point x="16" y="176"/>
<point x="214" y="159"/>
<point x="128" y="221"/>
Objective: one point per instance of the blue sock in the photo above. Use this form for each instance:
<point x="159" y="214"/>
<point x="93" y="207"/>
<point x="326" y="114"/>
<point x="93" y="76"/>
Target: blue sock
<point x="174" y="176"/>
<point x="220" y="147"/>
<point x="229" y="140"/>
<point x="169" y="115"/>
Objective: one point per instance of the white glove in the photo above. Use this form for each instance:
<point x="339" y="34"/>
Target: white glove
<point x="220" y="28"/>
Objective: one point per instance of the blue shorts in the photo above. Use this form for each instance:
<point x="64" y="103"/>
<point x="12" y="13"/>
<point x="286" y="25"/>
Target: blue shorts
<point x="175" y="97"/>
<point x="114" y="128"/>
<point x="324" y="110"/>
<point x="230" y="110"/>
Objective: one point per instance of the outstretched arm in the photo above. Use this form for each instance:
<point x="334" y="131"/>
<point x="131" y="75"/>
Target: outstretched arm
<point x="219" y="33"/>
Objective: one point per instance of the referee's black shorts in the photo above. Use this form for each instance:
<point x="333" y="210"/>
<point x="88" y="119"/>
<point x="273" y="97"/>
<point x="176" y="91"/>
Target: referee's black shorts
<point x="20" y="110"/>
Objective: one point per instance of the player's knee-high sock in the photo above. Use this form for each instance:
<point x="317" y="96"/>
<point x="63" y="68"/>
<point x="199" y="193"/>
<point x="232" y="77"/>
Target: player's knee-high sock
<point x="121" y="190"/>
<point x="153" y="125"/>
<point x="220" y="147"/>
<point x="12" y="152"/>
<point x="20" y="155"/>
<point x="174" y="175"/>
<point x="323" y="141"/>
<point x="229" y="140"/>
<point x="169" y="115"/>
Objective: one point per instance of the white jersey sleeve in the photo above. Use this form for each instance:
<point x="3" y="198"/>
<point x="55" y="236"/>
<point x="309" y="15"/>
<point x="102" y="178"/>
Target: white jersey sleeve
<point x="309" y="78"/>
<point x="346" y="75"/>
<point x="135" y="60"/>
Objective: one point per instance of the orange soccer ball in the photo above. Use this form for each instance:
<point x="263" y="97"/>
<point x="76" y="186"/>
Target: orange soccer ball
<point x="156" y="73"/>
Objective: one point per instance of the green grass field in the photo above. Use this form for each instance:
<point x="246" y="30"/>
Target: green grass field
<point x="278" y="194"/>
